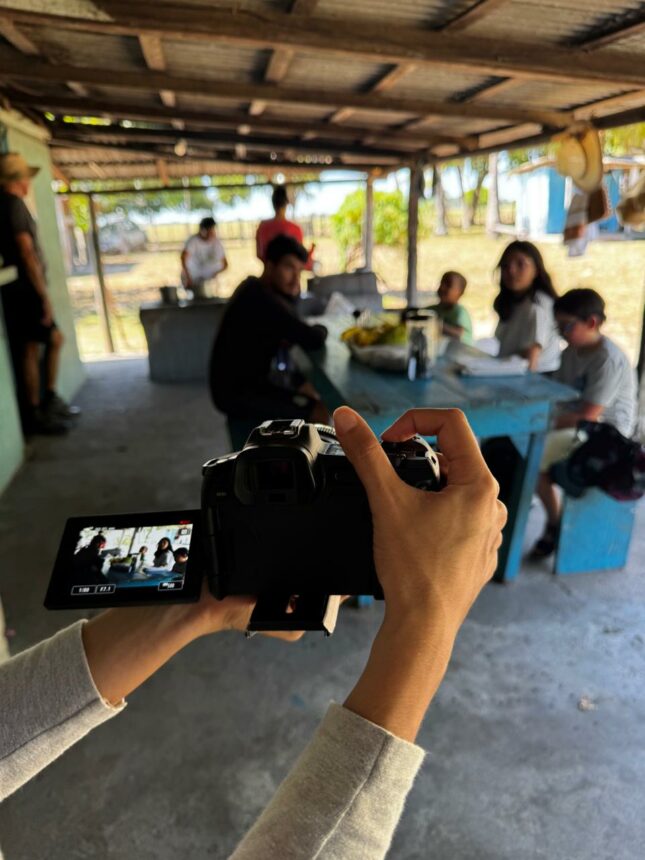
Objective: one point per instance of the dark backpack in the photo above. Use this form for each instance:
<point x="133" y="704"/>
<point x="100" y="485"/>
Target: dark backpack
<point x="607" y="460"/>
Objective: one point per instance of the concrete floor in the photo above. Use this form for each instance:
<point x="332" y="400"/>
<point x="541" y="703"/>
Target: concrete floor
<point x="515" y="771"/>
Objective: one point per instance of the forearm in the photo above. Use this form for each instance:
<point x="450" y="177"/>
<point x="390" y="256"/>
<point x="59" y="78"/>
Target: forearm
<point x="342" y="798"/>
<point x="532" y="354"/>
<point x="124" y="647"/>
<point x="35" y="272"/>
<point x="453" y="330"/>
<point x="406" y="665"/>
<point x="48" y="702"/>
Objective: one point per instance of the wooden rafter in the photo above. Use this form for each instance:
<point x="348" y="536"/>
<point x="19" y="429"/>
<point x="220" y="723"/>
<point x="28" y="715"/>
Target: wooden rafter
<point x="153" y="54"/>
<point x="281" y="58"/>
<point x="237" y="120"/>
<point x="355" y="38"/>
<point x="634" y="99"/>
<point x="17" y="38"/>
<point x="630" y="24"/>
<point x="211" y="139"/>
<point x="148" y="80"/>
<point x="24" y="44"/>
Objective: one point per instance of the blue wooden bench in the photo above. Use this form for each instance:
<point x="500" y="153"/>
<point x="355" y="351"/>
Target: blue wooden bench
<point x="595" y="533"/>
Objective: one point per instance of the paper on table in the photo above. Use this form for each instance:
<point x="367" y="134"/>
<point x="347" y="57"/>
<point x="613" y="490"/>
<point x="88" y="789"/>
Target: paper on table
<point x="511" y="366"/>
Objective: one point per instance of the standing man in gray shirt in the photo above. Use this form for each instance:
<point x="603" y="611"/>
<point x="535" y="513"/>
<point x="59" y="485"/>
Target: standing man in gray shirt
<point x="28" y="313"/>
<point x="595" y="366"/>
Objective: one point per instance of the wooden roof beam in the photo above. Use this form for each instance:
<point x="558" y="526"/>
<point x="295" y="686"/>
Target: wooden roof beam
<point x="23" y="43"/>
<point x="281" y="58"/>
<point x="352" y="38"/>
<point x="33" y="69"/>
<point x="89" y="134"/>
<point x="242" y="123"/>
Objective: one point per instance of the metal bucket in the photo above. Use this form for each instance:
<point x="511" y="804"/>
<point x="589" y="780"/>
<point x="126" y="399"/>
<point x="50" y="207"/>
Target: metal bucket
<point x="169" y="295"/>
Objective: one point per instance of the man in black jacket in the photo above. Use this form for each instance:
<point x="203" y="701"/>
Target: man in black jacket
<point x="250" y="371"/>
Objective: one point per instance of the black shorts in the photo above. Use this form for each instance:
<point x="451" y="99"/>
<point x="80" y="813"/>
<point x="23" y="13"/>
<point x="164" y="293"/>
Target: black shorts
<point x="268" y="402"/>
<point x="23" y="313"/>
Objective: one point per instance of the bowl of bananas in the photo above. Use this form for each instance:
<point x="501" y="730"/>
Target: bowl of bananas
<point x="379" y="341"/>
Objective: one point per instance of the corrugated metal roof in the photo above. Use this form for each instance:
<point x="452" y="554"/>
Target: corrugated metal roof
<point x="537" y="93"/>
<point x="411" y="13"/>
<point x="539" y="23"/>
<point x="214" y="61"/>
<point x="547" y="21"/>
<point x="87" y="49"/>
<point x="326" y="72"/>
<point x="434" y="83"/>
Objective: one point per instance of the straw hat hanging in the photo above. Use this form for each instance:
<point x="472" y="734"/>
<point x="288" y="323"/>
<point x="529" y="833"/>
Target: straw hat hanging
<point x="580" y="156"/>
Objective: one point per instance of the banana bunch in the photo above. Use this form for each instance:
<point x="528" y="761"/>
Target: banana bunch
<point x="385" y="331"/>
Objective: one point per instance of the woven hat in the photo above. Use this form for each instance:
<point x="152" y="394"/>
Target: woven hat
<point x="13" y="166"/>
<point x="580" y="156"/>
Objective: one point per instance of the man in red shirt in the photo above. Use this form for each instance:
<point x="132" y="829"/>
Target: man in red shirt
<point x="279" y="225"/>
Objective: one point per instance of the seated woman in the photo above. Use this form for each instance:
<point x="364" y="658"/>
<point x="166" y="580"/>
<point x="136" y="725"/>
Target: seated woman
<point x="524" y="305"/>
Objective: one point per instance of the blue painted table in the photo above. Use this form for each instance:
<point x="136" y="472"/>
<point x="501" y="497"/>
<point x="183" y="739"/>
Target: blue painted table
<point x="517" y="407"/>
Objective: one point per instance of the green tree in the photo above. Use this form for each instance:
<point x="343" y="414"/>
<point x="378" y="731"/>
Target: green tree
<point x="627" y="140"/>
<point x="390" y="220"/>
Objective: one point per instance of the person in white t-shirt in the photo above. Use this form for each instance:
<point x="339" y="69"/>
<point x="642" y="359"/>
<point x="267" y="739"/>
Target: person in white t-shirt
<point x="524" y="305"/>
<point x="202" y="259"/>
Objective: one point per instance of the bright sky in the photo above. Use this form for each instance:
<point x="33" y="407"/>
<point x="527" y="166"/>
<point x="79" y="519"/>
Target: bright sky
<point x="324" y="199"/>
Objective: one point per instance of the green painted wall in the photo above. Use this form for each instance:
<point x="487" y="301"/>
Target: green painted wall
<point x="11" y="443"/>
<point x="26" y="139"/>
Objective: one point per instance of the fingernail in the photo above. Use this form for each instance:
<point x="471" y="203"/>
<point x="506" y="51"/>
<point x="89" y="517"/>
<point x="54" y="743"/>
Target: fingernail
<point x="344" y="419"/>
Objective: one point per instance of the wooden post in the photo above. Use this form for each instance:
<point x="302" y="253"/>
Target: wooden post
<point x="416" y="191"/>
<point x="492" y="207"/>
<point x="101" y="293"/>
<point x="368" y="226"/>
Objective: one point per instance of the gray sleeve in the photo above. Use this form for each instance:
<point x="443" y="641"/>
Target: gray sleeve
<point x="343" y="797"/>
<point x="48" y="702"/>
<point x="601" y="382"/>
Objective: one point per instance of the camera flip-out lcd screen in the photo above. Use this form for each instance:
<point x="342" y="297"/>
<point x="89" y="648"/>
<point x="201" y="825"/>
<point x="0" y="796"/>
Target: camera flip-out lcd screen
<point x="127" y="559"/>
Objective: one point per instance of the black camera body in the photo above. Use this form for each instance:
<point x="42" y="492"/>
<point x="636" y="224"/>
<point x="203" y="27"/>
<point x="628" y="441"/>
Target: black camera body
<point x="286" y="519"/>
<point x="288" y="514"/>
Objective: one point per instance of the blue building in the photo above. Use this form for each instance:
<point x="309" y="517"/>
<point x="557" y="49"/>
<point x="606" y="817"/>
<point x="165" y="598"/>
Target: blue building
<point x="542" y="195"/>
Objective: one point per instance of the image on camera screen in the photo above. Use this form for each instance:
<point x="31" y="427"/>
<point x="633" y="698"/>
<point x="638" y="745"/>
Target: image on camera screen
<point x="113" y="563"/>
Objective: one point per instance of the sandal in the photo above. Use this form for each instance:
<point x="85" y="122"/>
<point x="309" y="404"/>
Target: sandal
<point x="547" y="544"/>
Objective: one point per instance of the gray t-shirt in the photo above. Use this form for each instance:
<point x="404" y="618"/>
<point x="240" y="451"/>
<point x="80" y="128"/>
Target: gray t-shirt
<point x="531" y="322"/>
<point x="604" y="377"/>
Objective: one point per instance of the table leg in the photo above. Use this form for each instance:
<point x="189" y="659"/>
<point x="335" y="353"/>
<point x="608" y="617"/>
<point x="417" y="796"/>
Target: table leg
<point x="518" y="504"/>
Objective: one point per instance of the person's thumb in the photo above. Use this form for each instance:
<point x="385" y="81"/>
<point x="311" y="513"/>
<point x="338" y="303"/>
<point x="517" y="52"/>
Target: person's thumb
<point x="364" y="452"/>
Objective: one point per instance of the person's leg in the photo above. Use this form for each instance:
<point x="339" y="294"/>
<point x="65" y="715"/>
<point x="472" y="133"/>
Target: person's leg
<point x="31" y="373"/>
<point x="52" y="403"/>
<point x="558" y="446"/>
<point x="52" y="358"/>
<point x="549" y="498"/>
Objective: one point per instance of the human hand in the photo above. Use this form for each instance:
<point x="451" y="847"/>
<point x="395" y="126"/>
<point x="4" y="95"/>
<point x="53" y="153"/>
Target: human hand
<point x="433" y="551"/>
<point x="210" y="615"/>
